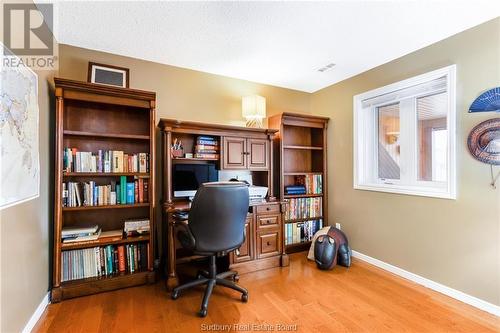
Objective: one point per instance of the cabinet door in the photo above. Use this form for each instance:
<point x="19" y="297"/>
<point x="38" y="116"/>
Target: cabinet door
<point x="234" y="153"/>
<point x="246" y="251"/>
<point x="268" y="243"/>
<point x="258" y="153"/>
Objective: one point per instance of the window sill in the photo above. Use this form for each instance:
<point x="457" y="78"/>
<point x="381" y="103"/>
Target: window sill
<point x="417" y="191"/>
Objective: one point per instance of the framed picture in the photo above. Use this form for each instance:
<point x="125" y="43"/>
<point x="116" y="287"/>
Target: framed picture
<point x="108" y="74"/>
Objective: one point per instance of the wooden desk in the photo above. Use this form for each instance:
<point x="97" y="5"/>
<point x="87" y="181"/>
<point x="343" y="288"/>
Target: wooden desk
<point x="263" y="247"/>
<point x="240" y="149"/>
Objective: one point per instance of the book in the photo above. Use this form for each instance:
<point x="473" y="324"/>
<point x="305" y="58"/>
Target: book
<point x="200" y="148"/>
<point x="142" y="162"/>
<point x="70" y="232"/>
<point x="82" y="238"/>
<point x="130" y="197"/>
<point x="121" y="259"/>
<point x="123" y="190"/>
<point x="207" y="156"/>
<point x="112" y="234"/>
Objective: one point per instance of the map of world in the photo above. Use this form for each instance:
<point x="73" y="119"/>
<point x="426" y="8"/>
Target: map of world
<point x="19" y="156"/>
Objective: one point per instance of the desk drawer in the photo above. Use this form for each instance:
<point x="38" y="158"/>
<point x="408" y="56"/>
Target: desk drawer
<point x="268" y="221"/>
<point x="268" y="244"/>
<point x="268" y="209"/>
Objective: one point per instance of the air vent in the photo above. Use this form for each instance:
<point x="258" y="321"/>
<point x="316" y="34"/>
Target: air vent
<point x="327" y="67"/>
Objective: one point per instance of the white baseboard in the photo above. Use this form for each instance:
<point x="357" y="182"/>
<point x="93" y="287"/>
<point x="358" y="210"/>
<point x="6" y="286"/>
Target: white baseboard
<point x="456" y="294"/>
<point x="37" y="314"/>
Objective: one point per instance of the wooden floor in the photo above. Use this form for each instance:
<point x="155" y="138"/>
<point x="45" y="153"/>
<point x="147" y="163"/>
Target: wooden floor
<point x="299" y="298"/>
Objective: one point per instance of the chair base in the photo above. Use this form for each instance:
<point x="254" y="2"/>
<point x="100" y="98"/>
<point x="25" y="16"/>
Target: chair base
<point x="211" y="279"/>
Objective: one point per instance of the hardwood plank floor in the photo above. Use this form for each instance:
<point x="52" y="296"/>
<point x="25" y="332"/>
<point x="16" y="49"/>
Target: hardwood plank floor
<point x="300" y="297"/>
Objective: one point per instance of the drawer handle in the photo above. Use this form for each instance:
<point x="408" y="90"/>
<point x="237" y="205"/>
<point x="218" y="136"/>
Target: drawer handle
<point x="268" y="208"/>
<point x="237" y="252"/>
<point x="268" y="243"/>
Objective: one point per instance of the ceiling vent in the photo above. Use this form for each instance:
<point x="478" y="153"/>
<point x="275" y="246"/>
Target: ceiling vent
<point x="327" y="67"/>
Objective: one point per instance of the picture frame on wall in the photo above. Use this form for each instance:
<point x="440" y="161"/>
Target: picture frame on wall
<point x="108" y="74"/>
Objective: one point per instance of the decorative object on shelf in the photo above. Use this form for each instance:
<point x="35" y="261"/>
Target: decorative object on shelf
<point x="108" y="74"/>
<point x="484" y="144"/>
<point x="177" y="149"/>
<point x="19" y="155"/>
<point x="253" y="109"/>
<point x="489" y="101"/>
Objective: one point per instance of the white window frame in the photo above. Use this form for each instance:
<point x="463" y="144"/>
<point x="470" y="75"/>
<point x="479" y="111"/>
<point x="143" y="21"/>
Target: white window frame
<point x="365" y="159"/>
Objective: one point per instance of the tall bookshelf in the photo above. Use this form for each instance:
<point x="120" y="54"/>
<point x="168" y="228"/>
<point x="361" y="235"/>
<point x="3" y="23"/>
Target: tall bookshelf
<point x="92" y="117"/>
<point x="300" y="148"/>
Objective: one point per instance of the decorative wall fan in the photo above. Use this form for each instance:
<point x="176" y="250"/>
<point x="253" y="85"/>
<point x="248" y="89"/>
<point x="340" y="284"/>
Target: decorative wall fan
<point x="489" y="101"/>
<point x="484" y="144"/>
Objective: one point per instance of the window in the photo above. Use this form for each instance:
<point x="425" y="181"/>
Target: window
<point x="404" y="136"/>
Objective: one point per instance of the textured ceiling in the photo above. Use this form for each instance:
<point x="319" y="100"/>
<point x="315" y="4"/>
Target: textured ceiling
<point x="278" y="43"/>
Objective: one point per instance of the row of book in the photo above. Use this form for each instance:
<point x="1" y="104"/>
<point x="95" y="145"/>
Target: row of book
<point x="104" y="161"/>
<point x="207" y="147"/>
<point x="104" y="261"/>
<point x="76" y="194"/>
<point x="313" y="184"/>
<point x="301" y="231"/>
<point x="302" y="208"/>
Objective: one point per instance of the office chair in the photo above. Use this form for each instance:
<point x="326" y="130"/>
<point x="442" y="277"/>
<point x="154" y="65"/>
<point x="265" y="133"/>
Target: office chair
<point x="216" y="226"/>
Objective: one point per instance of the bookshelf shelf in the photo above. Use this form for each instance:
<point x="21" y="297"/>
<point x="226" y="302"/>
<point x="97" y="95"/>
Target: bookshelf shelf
<point x="293" y="196"/>
<point x="107" y="135"/>
<point x="298" y="247"/>
<point x="302" y="155"/>
<point x="105" y="174"/>
<point x="304" y="219"/>
<point x="193" y="160"/>
<point x="302" y="173"/>
<point x="138" y="205"/>
<point x="99" y="280"/>
<point x="103" y="242"/>
<point x="303" y="147"/>
<point x="88" y="118"/>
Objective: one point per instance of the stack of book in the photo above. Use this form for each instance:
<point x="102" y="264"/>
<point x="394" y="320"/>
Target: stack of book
<point x="136" y="227"/>
<point x="206" y="147"/>
<point x="104" y="261"/>
<point x="295" y="189"/>
<point x="304" y="208"/>
<point x="71" y="235"/>
<point x="313" y="184"/>
<point x="302" y="231"/>
<point x="104" y="161"/>
<point x="76" y="194"/>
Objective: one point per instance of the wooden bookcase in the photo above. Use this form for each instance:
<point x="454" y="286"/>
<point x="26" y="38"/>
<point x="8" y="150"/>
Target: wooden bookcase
<point x="300" y="149"/>
<point x="91" y="117"/>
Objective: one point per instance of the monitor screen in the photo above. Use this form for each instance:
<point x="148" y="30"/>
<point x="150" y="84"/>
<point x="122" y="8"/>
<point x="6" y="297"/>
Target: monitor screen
<point x="188" y="177"/>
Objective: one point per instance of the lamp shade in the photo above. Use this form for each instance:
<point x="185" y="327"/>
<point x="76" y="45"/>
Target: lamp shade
<point x="253" y="107"/>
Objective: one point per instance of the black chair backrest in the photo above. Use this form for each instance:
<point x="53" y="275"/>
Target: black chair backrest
<point x="217" y="216"/>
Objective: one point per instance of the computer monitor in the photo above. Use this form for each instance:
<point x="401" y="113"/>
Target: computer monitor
<point x="186" y="178"/>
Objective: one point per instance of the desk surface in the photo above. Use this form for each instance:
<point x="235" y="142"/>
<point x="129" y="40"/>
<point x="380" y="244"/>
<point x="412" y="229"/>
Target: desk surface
<point x="185" y="205"/>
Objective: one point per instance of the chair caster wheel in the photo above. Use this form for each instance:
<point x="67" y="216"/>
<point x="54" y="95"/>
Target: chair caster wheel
<point x="203" y="313"/>
<point x="244" y="298"/>
<point x="174" y="295"/>
<point x="236" y="277"/>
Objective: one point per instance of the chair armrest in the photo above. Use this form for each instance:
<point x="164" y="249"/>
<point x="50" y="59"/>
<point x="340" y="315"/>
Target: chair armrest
<point x="184" y="235"/>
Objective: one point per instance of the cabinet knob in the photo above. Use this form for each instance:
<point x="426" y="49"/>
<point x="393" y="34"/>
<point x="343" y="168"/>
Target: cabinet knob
<point x="268" y="243"/>
<point x="237" y="251"/>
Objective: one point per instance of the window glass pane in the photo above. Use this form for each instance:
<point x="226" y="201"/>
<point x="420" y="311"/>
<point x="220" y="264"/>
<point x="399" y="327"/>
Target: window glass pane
<point x="432" y="137"/>
<point x="388" y="142"/>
